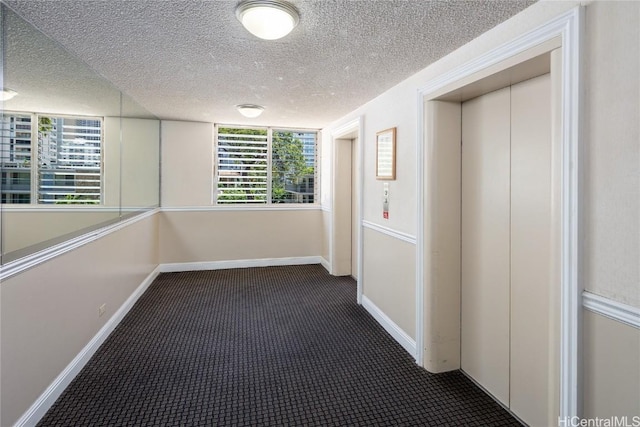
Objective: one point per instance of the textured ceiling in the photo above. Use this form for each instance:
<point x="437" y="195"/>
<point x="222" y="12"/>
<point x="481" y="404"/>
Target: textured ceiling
<point x="192" y="60"/>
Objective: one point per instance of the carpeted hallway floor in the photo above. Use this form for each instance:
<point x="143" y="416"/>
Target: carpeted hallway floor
<point x="277" y="346"/>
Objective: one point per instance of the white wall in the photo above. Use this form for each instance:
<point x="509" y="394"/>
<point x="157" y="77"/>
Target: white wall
<point x="612" y="137"/>
<point x="140" y="164"/>
<point x="206" y="236"/>
<point x="612" y="368"/>
<point x="50" y="312"/>
<point x="612" y="205"/>
<point x="388" y="278"/>
<point x="186" y="163"/>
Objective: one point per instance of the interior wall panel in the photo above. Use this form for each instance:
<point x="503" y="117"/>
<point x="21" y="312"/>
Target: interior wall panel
<point x="485" y="241"/>
<point x="389" y="278"/>
<point x="186" y="163"/>
<point x="205" y="236"/>
<point x="531" y="249"/>
<point x="611" y="369"/>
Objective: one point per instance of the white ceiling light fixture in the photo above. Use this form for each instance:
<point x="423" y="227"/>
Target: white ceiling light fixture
<point x="7" y="94"/>
<point x="250" y="111"/>
<point x="267" y="19"/>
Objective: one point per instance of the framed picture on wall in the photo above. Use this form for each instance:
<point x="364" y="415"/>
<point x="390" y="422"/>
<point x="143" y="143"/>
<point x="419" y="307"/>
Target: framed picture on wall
<point x="386" y="154"/>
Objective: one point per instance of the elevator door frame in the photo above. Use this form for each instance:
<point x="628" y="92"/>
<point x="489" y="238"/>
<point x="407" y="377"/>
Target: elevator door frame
<point x="565" y="32"/>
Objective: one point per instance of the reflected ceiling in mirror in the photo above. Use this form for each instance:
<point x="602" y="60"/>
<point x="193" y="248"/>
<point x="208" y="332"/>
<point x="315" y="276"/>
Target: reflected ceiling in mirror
<point x="49" y="79"/>
<point x="52" y="83"/>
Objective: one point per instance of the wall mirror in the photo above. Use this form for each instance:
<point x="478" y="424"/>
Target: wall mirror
<point x="68" y="140"/>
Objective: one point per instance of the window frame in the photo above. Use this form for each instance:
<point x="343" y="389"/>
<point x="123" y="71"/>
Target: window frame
<point x="269" y="199"/>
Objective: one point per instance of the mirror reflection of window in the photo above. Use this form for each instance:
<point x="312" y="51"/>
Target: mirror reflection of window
<point x="69" y="160"/>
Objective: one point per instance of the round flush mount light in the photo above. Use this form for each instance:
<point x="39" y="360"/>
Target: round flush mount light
<point x="250" y="111"/>
<point x="7" y="94"/>
<point x="267" y="19"/>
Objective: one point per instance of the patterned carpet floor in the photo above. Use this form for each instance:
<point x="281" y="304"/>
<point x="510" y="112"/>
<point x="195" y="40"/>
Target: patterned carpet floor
<point x="275" y="346"/>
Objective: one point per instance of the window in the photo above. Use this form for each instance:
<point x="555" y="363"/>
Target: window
<point x="265" y="165"/>
<point x="69" y="159"/>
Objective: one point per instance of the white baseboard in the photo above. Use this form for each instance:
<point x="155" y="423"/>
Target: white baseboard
<point x="325" y="264"/>
<point x="241" y="263"/>
<point x="396" y="332"/>
<point x="55" y="389"/>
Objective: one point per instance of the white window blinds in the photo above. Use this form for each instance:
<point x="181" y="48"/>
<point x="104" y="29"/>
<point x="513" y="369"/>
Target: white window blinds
<point x="243" y="159"/>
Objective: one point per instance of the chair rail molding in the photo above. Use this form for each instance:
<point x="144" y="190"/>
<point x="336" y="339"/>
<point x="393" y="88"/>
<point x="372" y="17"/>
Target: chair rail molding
<point x="612" y="309"/>
<point x="18" y="266"/>
<point x="405" y="237"/>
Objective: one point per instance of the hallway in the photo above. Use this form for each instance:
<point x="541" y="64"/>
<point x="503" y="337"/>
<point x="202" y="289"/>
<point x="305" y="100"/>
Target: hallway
<point x="262" y="346"/>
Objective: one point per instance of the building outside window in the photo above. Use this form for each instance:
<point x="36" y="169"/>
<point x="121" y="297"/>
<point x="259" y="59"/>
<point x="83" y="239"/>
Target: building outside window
<point x="15" y="158"/>
<point x="265" y="165"/>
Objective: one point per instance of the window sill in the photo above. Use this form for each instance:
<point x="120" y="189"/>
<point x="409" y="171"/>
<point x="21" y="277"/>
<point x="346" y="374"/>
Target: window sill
<point x="273" y="207"/>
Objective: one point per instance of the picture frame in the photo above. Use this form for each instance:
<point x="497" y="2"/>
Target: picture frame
<point x="386" y="154"/>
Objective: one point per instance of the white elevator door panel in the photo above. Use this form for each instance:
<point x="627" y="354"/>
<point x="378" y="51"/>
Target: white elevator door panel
<point x="530" y="249"/>
<point x="485" y="241"/>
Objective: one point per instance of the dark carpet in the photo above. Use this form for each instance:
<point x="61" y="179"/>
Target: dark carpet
<point x="277" y="346"/>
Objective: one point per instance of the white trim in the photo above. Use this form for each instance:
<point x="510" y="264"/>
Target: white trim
<point x="623" y="313"/>
<point x="420" y="240"/>
<point x="554" y="28"/>
<point x="325" y="264"/>
<point x="55" y="389"/>
<point x="394" y="330"/>
<point x="346" y="128"/>
<point x="238" y="263"/>
<point x="569" y="26"/>
<point x="59" y="208"/>
<point x="245" y="208"/>
<point x="405" y="237"/>
<point x="360" y="162"/>
<point x="571" y="211"/>
<point x="326" y="209"/>
<point x="18" y="266"/>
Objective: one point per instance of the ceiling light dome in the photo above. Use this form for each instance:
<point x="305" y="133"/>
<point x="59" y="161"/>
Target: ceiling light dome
<point x="250" y="110"/>
<point x="267" y="19"/>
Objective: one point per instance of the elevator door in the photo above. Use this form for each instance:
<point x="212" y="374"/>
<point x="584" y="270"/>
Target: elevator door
<point x="506" y="246"/>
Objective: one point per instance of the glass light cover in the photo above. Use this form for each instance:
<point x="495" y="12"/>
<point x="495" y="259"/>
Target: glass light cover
<point x="267" y="19"/>
<point x="249" y="110"/>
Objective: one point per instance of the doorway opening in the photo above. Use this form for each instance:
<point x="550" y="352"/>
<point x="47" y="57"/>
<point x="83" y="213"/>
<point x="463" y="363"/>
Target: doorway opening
<point x="552" y="48"/>
<point x="346" y="240"/>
